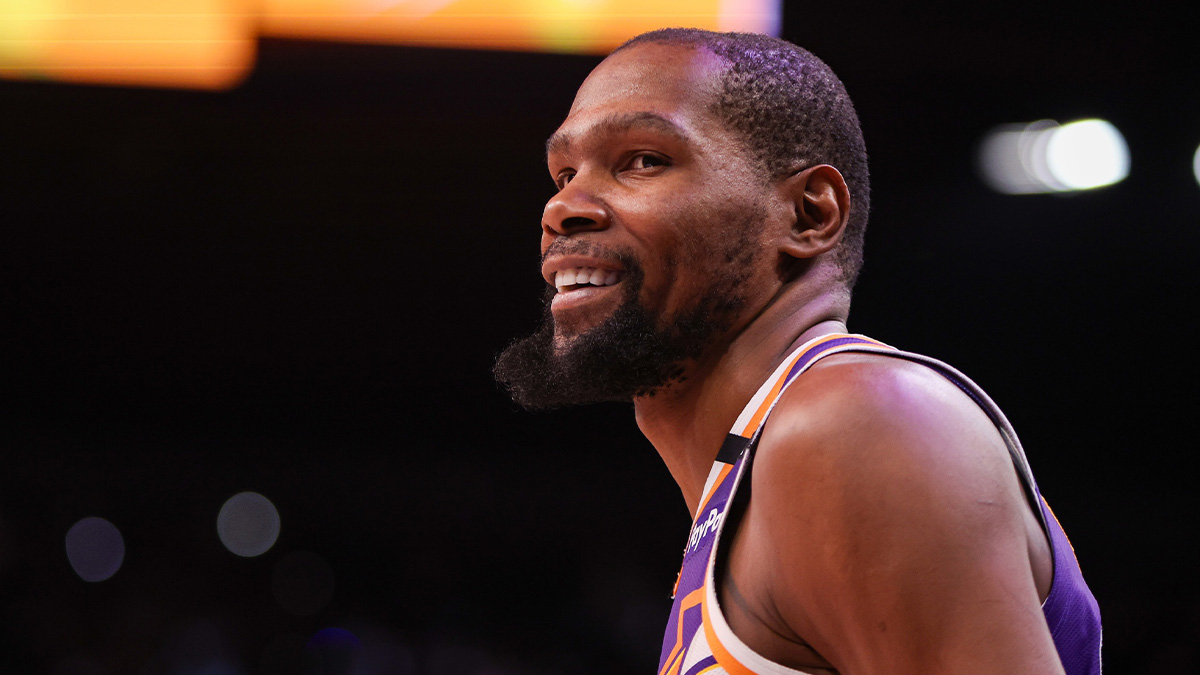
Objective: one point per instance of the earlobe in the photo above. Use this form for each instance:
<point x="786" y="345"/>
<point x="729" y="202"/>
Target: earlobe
<point x="821" y="206"/>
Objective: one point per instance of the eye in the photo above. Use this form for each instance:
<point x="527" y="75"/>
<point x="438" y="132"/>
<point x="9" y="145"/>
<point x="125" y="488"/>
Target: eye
<point x="646" y="160"/>
<point x="561" y="180"/>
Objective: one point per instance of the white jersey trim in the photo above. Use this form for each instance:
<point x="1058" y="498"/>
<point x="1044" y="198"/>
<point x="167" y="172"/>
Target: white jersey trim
<point x="716" y="618"/>
<point x="743" y="420"/>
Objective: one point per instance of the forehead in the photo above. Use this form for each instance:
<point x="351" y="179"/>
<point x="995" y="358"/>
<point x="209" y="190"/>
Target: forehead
<point x="673" y="82"/>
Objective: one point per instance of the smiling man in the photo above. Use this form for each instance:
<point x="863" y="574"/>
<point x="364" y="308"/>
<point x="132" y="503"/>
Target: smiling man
<point x="858" y="509"/>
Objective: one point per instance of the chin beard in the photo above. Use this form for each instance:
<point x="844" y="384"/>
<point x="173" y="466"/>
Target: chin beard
<point x="627" y="355"/>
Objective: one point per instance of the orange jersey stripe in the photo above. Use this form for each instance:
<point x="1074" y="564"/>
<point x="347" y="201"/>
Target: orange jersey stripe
<point x="766" y="404"/>
<point x="775" y="388"/>
<point x="692" y="599"/>
<point x="724" y="658"/>
<point x="674" y="670"/>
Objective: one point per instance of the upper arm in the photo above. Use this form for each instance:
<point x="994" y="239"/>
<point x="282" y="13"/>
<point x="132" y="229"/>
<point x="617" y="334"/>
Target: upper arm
<point x="893" y="526"/>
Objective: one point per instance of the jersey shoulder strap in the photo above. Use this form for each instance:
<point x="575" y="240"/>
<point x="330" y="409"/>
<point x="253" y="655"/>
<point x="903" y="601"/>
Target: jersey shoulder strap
<point x="685" y="641"/>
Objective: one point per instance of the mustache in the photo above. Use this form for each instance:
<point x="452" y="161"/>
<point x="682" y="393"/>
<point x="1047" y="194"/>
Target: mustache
<point x="565" y="246"/>
<point x="562" y="246"/>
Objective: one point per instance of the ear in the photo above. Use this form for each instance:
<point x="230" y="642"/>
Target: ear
<point x="821" y="206"/>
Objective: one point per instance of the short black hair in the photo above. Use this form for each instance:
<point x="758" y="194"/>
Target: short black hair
<point x="793" y="112"/>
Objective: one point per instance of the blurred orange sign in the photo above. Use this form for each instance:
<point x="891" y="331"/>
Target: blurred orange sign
<point x="210" y="44"/>
<point x="593" y="26"/>
<point x="205" y="44"/>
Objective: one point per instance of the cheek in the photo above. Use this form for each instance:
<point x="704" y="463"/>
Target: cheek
<point x="679" y="276"/>
<point x="695" y="242"/>
<point x="721" y="234"/>
<point x="668" y="278"/>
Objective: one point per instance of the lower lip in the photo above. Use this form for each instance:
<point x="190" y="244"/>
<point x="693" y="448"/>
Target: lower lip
<point x="579" y="298"/>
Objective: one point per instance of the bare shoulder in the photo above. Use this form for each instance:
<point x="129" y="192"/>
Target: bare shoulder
<point x="857" y="406"/>
<point x="891" y="526"/>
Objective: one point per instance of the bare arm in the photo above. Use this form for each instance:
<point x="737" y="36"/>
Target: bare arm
<point x="888" y="529"/>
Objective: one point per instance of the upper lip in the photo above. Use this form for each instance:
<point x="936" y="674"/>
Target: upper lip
<point x="554" y="264"/>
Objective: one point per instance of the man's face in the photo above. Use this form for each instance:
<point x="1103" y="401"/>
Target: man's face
<point x="652" y="243"/>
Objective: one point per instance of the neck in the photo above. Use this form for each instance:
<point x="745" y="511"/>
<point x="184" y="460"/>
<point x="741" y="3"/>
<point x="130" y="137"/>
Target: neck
<point x="688" y="421"/>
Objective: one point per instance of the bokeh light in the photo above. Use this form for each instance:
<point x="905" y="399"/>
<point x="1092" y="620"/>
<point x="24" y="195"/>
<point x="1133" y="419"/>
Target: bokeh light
<point x="248" y="524"/>
<point x="333" y="637"/>
<point x="332" y="650"/>
<point x="1044" y="156"/>
<point x="1196" y="165"/>
<point x="1087" y="154"/>
<point x="302" y="583"/>
<point x="207" y="44"/>
<point x="590" y="26"/>
<point x="95" y="549"/>
<point x="211" y="44"/>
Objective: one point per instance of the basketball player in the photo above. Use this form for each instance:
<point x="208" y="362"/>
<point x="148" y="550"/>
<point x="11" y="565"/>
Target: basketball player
<point x="858" y="509"/>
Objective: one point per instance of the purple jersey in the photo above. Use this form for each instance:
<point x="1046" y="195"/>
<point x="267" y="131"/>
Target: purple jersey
<point x="699" y="641"/>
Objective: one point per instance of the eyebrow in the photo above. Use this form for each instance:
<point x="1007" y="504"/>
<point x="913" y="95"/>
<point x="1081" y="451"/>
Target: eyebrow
<point x="560" y="141"/>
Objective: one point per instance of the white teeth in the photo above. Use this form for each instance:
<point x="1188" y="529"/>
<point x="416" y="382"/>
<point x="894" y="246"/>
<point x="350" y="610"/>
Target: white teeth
<point x="578" y="276"/>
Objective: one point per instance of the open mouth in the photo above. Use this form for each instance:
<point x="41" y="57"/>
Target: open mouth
<point x="577" y="278"/>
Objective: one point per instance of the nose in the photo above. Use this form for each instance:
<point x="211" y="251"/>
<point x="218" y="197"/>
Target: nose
<point x="573" y="210"/>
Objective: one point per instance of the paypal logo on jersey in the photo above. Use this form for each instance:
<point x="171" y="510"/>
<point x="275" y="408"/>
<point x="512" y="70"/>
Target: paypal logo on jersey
<point x="701" y="529"/>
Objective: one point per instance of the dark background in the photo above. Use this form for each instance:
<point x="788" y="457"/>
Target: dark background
<point x="297" y="288"/>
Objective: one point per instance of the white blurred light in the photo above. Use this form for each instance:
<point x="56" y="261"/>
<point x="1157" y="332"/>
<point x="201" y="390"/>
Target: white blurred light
<point x="95" y="549"/>
<point x="1045" y="157"/>
<point x="248" y="524"/>
<point x="1196" y="165"/>
<point x="1087" y="154"/>
<point x="1007" y="158"/>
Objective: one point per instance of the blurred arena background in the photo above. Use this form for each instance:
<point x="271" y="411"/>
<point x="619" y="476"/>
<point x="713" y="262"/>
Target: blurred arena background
<point x="247" y="318"/>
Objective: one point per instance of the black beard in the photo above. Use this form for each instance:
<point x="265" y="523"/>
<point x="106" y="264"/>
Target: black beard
<point x="626" y="356"/>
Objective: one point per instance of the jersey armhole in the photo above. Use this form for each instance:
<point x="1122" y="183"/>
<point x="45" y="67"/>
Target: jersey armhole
<point x="735" y="656"/>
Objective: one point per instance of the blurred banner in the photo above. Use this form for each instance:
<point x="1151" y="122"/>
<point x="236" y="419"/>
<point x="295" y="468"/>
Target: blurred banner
<point x="209" y="44"/>
<point x="590" y="26"/>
